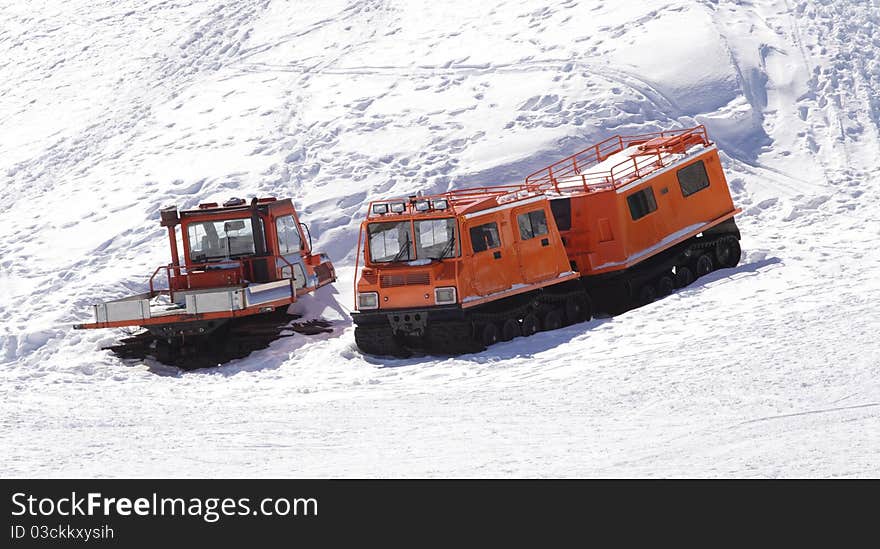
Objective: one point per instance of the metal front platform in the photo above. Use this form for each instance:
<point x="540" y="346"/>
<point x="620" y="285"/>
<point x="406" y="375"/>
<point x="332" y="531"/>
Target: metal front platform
<point x="148" y="309"/>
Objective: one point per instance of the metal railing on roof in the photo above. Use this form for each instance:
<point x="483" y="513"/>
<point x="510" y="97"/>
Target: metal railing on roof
<point x="574" y="174"/>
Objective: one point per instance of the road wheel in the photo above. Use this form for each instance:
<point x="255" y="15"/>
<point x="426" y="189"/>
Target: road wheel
<point x="588" y="307"/>
<point x="704" y="265"/>
<point x="684" y="276"/>
<point x="647" y="294"/>
<point x="727" y="253"/>
<point x="509" y="329"/>
<point x="665" y="286"/>
<point x="379" y="340"/>
<point x="552" y="320"/>
<point x="529" y="325"/>
<point x="166" y="351"/>
<point x="489" y="334"/>
<point x="577" y="309"/>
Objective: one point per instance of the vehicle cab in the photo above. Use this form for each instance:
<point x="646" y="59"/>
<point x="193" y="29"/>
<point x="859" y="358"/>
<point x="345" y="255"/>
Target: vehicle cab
<point x="411" y="251"/>
<point x="414" y="249"/>
<point x="237" y="259"/>
<point x="239" y="243"/>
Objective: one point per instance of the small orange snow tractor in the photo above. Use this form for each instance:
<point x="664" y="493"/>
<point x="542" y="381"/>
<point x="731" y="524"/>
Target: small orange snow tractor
<point x="240" y="259"/>
<point x="612" y="227"/>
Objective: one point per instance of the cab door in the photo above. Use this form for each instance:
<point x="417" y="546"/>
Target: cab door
<point x="290" y="245"/>
<point x="536" y="242"/>
<point x="490" y="259"/>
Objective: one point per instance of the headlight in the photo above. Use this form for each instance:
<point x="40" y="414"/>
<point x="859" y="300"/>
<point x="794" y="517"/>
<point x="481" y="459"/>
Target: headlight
<point x="423" y="206"/>
<point x="445" y="295"/>
<point x="368" y="300"/>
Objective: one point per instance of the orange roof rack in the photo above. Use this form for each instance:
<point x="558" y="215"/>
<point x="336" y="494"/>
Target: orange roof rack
<point x="616" y="161"/>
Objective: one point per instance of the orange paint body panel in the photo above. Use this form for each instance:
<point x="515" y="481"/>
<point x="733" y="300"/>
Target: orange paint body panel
<point x="672" y="180"/>
<point x="517" y="263"/>
<point x="406" y="287"/>
<point x="603" y="236"/>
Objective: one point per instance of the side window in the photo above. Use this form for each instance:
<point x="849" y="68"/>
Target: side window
<point x="532" y="224"/>
<point x="641" y="203"/>
<point x="199" y="241"/>
<point x="693" y="178"/>
<point x="485" y="237"/>
<point x="298" y="275"/>
<point x="288" y="236"/>
<point x="561" y="209"/>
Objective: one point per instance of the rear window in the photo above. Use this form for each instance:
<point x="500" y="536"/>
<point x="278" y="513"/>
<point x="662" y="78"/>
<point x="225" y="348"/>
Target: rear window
<point x="485" y="237"/>
<point x="220" y="240"/>
<point x="693" y="178"/>
<point x="641" y="203"/>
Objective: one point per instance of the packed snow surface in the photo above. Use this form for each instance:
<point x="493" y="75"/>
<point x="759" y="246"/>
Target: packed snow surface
<point x="111" y="110"/>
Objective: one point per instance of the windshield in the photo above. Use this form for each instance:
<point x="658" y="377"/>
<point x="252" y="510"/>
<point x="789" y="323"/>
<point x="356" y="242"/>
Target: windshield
<point x="390" y="241"/>
<point x="393" y="241"/>
<point x="220" y="240"/>
<point x="435" y="238"/>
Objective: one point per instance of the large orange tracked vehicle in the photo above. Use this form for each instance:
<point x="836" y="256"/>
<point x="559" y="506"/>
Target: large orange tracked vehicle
<point x="241" y="260"/>
<point x="614" y="226"/>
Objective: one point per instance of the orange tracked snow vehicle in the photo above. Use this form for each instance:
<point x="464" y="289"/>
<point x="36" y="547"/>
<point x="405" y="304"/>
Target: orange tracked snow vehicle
<point x="240" y="259"/>
<point x="614" y="226"/>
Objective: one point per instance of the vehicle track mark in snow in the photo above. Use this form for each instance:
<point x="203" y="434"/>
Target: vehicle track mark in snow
<point x="810" y="412"/>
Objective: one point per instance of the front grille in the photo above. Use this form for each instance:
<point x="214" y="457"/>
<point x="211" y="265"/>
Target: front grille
<point x="422" y="278"/>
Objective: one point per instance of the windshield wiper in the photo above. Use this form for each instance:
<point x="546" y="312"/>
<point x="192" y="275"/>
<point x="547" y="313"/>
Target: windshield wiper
<point x="405" y="248"/>
<point x="450" y="245"/>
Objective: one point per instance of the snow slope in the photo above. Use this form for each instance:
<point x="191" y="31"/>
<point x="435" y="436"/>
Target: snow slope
<point x="111" y="110"/>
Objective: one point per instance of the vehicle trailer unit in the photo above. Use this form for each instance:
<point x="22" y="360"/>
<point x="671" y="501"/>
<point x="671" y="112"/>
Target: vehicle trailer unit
<point x="612" y="227"/>
<point x="239" y="259"/>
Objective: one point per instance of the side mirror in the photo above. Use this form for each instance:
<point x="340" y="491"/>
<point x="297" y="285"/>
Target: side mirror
<point x="308" y="233"/>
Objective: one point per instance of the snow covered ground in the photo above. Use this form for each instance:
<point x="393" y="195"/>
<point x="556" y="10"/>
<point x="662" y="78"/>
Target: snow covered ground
<point x="111" y="110"/>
